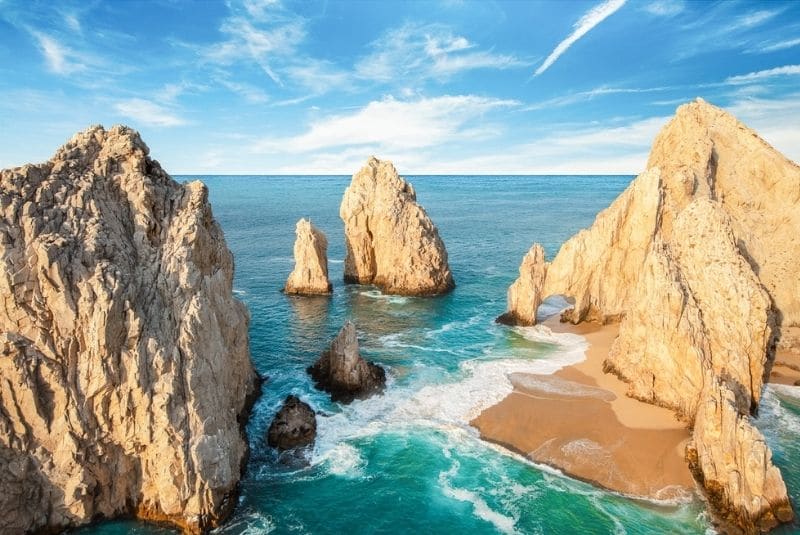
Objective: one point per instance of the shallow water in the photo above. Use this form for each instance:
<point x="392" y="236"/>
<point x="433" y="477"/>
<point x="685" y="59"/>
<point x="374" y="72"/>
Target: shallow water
<point x="406" y="461"/>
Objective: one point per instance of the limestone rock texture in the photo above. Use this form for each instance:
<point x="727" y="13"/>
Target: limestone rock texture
<point x="125" y="373"/>
<point x="294" y="426"/>
<point x="391" y="242"/>
<point x="532" y="274"/>
<point x="310" y="274"/>
<point x="697" y="259"/>
<point x="343" y="372"/>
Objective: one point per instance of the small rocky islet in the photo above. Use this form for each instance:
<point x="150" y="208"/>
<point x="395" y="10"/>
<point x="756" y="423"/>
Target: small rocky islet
<point x="119" y="310"/>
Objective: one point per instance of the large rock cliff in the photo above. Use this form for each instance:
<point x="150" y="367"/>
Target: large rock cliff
<point x="391" y="241"/>
<point x="125" y="373"/>
<point x="310" y="273"/>
<point x="698" y="260"/>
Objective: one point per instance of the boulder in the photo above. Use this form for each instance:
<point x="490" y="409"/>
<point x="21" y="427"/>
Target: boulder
<point x="294" y="426"/>
<point x="125" y="372"/>
<point x="343" y="373"/>
<point x="391" y="242"/>
<point x="310" y="274"/>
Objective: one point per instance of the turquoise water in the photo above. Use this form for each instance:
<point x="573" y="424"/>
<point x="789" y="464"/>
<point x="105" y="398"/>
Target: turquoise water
<point x="407" y="461"/>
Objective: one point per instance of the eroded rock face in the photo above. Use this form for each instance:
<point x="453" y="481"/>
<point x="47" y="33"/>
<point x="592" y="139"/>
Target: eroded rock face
<point x="310" y="274"/>
<point x="730" y="458"/>
<point x="343" y="373"/>
<point x="524" y="295"/>
<point x="125" y="373"/>
<point x="294" y="426"/>
<point x="391" y="241"/>
<point x="694" y="260"/>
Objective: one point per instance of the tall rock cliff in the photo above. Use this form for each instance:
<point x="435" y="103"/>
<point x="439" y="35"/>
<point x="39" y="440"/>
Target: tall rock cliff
<point x="125" y="373"/>
<point x="391" y="241"/>
<point x="310" y="274"/>
<point x="698" y="260"/>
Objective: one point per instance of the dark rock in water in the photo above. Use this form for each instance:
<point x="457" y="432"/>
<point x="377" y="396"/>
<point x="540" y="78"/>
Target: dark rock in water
<point x="294" y="426"/>
<point x="343" y="373"/>
<point x="509" y="318"/>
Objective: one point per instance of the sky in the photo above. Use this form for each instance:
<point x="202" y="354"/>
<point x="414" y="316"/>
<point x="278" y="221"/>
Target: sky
<point x="445" y="87"/>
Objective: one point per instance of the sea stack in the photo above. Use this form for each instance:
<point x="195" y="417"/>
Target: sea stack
<point x="126" y="372"/>
<point x="343" y="373"/>
<point x="310" y="274"/>
<point x="294" y="426"/>
<point x="698" y="260"/>
<point x="391" y="242"/>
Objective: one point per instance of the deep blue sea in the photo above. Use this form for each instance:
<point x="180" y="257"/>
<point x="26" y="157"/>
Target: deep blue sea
<point x="407" y="461"/>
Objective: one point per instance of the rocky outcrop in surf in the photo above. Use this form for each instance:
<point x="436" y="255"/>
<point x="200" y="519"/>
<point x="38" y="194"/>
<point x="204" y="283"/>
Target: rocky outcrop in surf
<point x="694" y="259"/>
<point x="391" y="242"/>
<point x="294" y="426"/>
<point x="125" y="376"/>
<point x="343" y="373"/>
<point x="310" y="274"/>
<point x="532" y="274"/>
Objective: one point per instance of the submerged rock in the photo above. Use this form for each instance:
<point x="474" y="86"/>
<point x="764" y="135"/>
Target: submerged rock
<point x="391" y="241"/>
<point x="294" y="426"/>
<point x="310" y="274"/>
<point x="125" y="375"/>
<point x="698" y="260"/>
<point x="343" y="373"/>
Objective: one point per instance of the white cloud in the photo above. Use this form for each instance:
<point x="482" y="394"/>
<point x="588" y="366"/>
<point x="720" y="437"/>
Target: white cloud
<point x="665" y="8"/>
<point x="753" y="19"/>
<point x="59" y="58"/>
<point x="393" y="125"/>
<point x="589" y="20"/>
<point x="430" y="51"/>
<point x="761" y="75"/>
<point x="780" y="45"/>
<point x="147" y="113"/>
<point x="591" y="94"/>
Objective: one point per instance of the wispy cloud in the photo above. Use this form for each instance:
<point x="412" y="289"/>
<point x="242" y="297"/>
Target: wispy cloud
<point x="776" y="46"/>
<point x="147" y="113"/>
<point x="429" y="51"/>
<point x="589" y="20"/>
<point x="414" y="124"/>
<point x="761" y="75"/>
<point x="755" y="18"/>
<point x="591" y="94"/>
<point x="665" y="8"/>
<point x="59" y="58"/>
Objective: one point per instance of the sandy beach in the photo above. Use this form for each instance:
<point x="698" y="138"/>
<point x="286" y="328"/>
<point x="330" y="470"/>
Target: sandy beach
<point x="786" y="369"/>
<point x="580" y="421"/>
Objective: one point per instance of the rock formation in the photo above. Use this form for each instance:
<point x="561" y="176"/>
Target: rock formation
<point x="391" y="241"/>
<point x="698" y="260"/>
<point x="125" y="374"/>
<point x="532" y="273"/>
<point x="310" y="275"/>
<point x="343" y="373"/>
<point x="294" y="426"/>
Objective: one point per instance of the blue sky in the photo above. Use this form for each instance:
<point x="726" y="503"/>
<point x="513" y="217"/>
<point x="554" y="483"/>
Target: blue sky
<point x="274" y="86"/>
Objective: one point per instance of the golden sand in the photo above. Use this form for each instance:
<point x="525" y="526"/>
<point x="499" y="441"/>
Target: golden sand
<point x="580" y="421"/>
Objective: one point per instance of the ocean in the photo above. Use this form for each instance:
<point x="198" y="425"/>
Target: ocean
<point x="407" y="461"/>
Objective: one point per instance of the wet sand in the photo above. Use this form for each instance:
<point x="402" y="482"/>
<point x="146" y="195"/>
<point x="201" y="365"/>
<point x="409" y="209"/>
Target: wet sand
<point x="580" y="421"/>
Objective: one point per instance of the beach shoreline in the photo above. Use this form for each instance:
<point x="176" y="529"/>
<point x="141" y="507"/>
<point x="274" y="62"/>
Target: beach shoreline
<point x="579" y="421"/>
